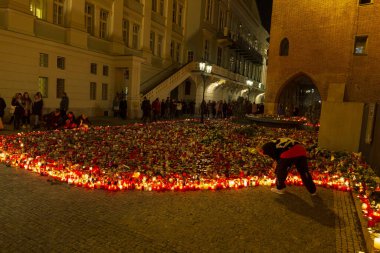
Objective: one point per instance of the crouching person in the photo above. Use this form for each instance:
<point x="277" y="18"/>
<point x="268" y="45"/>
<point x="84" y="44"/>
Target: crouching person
<point x="287" y="152"/>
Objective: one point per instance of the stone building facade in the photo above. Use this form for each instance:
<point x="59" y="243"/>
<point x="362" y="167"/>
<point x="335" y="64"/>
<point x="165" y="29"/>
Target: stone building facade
<point x="333" y="45"/>
<point x="93" y="49"/>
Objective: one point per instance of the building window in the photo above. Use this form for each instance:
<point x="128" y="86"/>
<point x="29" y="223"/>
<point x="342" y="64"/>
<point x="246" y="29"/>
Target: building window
<point x="180" y="14"/>
<point x="38" y="8"/>
<point x="135" y="36"/>
<point x="44" y="60"/>
<point x="94" y="68"/>
<point x="206" y="50"/>
<point x="178" y="52"/>
<point x="61" y="62"/>
<point x="105" y="70"/>
<point x="126" y="32"/>
<point x="172" y="49"/>
<point x="365" y="1"/>
<point x="190" y="56"/>
<point x="174" y="18"/>
<point x="89" y="18"/>
<point x="152" y="41"/>
<point x="162" y="4"/>
<point x="284" y="47"/>
<point x="58" y="12"/>
<point x="159" y="45"/>
<point x="60" y="87"/>
<point x="103" y="24"/>
<point x="221" y="20"/>
<point x="92" y="91"/>
<point x="43" y="86"/>
<point x="361" y="44"/>
<point x="154" y="5"/>
<point x="187" y="88"/>
<point x="209" y="10"/>
<point x="219" y="56"/>
<point x="104" y="91"/>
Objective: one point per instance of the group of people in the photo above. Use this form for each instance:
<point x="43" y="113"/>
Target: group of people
<point x="22" y="108"/>
<point x="165" y="109"/>
<point x="59" y="119"/>
<point x="27" y="112"/>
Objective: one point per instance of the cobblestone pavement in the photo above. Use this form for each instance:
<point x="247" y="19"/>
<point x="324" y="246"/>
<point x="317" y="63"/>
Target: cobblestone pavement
<point x="40" y="215"/>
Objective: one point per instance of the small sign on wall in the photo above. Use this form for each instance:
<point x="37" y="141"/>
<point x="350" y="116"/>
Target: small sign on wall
<point x="370" y="123"/>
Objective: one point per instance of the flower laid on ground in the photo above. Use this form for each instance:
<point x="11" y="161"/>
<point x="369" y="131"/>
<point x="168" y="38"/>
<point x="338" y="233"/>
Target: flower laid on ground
<point x="180" y="155"/>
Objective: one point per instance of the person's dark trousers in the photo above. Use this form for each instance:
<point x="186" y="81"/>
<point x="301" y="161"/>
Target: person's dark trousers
<point x="17" y="121"/>
<point x="285" y="164"/>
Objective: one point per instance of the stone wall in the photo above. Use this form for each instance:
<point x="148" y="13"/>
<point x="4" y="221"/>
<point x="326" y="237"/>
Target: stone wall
<point x="371" y="149"/>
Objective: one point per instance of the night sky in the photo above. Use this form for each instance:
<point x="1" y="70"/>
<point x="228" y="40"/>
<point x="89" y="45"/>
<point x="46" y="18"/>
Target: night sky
<point x="265" y="9"/>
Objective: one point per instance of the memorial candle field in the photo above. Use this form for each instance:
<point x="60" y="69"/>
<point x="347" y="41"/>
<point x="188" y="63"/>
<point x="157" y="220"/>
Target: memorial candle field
<point x="180" y="155"/>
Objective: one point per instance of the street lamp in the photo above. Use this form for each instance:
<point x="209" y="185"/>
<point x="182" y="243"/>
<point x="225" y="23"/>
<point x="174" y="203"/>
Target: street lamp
<point x="205" y="71"/>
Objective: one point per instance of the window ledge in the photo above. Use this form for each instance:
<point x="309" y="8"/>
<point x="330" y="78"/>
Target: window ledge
<point x="363" y="54"/>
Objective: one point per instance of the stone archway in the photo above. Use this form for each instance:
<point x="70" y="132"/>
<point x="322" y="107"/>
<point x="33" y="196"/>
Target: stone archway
<point x="300" y="97"/>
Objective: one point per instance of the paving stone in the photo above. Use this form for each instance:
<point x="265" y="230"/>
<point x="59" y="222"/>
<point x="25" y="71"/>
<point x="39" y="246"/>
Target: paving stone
<point x="37" y="216"/>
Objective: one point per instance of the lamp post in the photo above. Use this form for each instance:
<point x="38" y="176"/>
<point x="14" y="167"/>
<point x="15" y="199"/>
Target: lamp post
<point x="205" y="71"/>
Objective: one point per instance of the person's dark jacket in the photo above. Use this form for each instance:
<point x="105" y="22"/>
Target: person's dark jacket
<point x="37" y="107"/>
<point x="3" y="105"/>
<point x="275" y="148"/>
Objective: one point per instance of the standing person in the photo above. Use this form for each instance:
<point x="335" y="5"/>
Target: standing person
<point x="156" y="109"/>
<point x="3" y="105"/>
<point x="163" y="109"/>
<point x="123" y="107"/>
<point x="287" y="152"/>
<point x="27" y="105"/>
<point x="116" y="105"/>
<point x="64" y="104"/>
<point x="146" y="108"/>
<point x="37" y="106"/>
<point x="19" y="110"/>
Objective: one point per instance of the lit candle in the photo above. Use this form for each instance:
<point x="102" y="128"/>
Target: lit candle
<point x="376" y="243"/>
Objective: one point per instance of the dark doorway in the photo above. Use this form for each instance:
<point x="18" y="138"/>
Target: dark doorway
<point x="300" y="97"/>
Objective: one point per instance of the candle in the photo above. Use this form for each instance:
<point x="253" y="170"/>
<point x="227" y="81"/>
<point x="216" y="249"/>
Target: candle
<point x="376" y="243"/>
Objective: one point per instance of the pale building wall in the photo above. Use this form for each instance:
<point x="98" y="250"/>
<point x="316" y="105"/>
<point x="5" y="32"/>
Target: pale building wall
<point x="20" y="69"/>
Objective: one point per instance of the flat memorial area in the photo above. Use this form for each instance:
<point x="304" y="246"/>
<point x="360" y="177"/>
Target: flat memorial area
<point x="175" y="186"/>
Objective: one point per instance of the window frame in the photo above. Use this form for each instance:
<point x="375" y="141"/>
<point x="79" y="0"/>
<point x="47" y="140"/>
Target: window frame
<point x="284" y="47"/>
<point x="43" y="86"/>
<point x="361" y="2"/>
<point x="135" y="36"/>
<point x="89" y="13"/>
<point x="103" y="23"/>
<point x="44" y="60"/>
<point x="94" y="68"/>
<point x="126" y="31"/>
<point x="58" y="12"/>
<point x="61" y="62"/>
<point x="38" y="8"/>
<point x="365" y="44"/>
<point x="105" y="70"/>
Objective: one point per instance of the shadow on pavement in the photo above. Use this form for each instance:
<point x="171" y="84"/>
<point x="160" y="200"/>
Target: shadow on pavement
<point x="318" y="211"/>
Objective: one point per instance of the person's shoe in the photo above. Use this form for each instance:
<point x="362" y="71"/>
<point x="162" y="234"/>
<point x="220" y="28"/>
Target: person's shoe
<point x="314" y="194"/>
<point x="275" y="190"/>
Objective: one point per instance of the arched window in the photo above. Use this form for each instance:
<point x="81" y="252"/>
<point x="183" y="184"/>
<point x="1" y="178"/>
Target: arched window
<point x="284" y="47"/>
